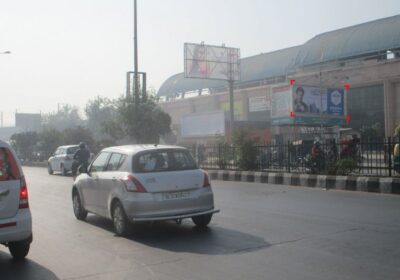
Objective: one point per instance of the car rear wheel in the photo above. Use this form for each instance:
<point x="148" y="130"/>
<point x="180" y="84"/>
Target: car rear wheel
<point x="63" y="171"/>
<point x="121" y="223"/>
<point x="49" y="169"/>
<point x="19" y="250"/>
<point x="202" y="221"/>
<point x="79" y="211"/>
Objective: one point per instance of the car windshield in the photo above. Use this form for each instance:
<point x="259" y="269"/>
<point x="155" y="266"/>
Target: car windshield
<point x="167" y="160"/>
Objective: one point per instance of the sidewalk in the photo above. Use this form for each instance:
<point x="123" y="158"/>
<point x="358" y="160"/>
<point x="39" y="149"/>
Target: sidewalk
<point x="388" y="185"/>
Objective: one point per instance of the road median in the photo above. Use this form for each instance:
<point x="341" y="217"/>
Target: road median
<point x="388" y="185"/>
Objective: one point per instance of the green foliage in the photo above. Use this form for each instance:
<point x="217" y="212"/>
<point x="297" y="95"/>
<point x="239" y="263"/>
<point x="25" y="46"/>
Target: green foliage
<point x="247" y="150"/>
<point x="24" y="143"/>
<point x="143" y="123"/>
<point x="343" y="167"/>
<point x="79" y="134"/>
<point x="49" y="140"/>
<point x="99" y="111"/>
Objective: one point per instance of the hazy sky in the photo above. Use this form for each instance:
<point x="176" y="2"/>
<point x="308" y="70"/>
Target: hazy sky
<point x="69" y="51"/>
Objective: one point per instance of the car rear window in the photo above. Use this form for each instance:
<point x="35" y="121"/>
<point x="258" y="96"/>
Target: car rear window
<point x="8" y="166"/>
<point x="164" y="160"/>
<point x="72" y="150"/>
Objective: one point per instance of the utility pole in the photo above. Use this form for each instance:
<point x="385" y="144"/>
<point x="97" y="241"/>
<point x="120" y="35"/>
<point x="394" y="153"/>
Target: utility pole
<point x="136" y="54"/>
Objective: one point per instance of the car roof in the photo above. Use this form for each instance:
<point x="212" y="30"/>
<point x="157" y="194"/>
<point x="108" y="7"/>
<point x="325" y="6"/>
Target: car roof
<point x="68" y="146"/>
<point x="133" y="149"/>
<point x="4" y="144"/>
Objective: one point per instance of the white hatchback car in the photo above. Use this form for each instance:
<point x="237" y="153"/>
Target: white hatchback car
<point x="15" y="216"/>
<point x="144" y="183"/>
<point x="62" y="159"/>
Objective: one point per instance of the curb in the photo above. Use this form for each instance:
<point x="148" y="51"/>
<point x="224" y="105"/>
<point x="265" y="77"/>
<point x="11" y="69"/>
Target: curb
<point x="35" y="164"/>
<point x="350" y="183"/>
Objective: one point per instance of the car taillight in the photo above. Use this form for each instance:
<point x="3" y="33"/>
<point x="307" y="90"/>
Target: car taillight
<point x="132" y="184"/>
<point x="206" y="181"/>
<point x="23" y="194"/>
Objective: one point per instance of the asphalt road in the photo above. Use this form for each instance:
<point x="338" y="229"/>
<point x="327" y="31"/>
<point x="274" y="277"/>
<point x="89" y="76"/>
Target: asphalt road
<point x="263" y="232"/>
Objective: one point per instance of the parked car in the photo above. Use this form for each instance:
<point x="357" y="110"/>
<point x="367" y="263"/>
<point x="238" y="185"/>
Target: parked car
<point x="61" y="160"/>
<point x="15" y="216"/>
<point x="144" y="183"/>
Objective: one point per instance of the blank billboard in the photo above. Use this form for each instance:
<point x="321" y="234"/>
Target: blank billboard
<point x="203" y="124"/>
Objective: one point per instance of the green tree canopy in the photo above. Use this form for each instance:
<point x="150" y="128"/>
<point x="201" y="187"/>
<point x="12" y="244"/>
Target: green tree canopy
<point x="24" y="143"/>
<point x="143" y="123"/>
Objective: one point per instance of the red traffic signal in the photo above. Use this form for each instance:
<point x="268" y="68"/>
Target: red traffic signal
<point x="292" y="115"/>
<point x="346" y="86"/>
<point x="348" y="118"/>
<point x="292" y="82"/>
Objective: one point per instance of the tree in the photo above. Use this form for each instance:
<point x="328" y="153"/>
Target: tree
<point x="143" y="123"/>
<point x="66" y="117"/>
<point x="49" y="140"/>
<point x="99" y="111"/>
<point x="24" y="144"/>
<point x="79" y="134"/>
<point x="247" y="150"/>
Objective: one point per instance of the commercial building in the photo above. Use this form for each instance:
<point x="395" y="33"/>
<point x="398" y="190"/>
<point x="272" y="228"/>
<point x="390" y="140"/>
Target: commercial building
<point x="362" y="61"/>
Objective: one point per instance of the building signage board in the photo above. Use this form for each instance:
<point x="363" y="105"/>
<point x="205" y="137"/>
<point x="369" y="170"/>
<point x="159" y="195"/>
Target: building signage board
<point x="259" y="103"/>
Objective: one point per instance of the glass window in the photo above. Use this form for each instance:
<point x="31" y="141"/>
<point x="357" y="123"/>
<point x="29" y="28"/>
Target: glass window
<point x="164" y="161"/>
<point x="8" y="166"/>
<point x="72" y="150"/>
<point x="115" y="162"/>
<point x="100" y="162"/>
<point x="183" y="160"/>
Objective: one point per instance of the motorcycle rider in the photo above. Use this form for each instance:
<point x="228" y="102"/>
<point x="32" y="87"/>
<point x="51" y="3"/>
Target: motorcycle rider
<point x="81" y="159"/>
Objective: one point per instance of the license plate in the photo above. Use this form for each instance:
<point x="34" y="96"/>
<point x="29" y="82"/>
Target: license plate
<point x="175" y="195"/>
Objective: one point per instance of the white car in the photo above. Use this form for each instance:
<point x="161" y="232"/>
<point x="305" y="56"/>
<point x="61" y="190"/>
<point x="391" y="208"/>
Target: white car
<point x="144" y="183"/>
<point x="15" y="216"/>
<point x="61" y="160"/>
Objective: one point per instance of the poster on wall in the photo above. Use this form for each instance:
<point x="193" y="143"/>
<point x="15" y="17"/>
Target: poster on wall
<point x="280" y="102"/>
<point x="309" y="100"/>
<point x="335" y="101"/>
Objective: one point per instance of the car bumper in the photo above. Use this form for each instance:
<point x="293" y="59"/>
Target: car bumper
<point x="174" y="217"/>
<point x="153" y="206"/>
<point x="17" y="228"/>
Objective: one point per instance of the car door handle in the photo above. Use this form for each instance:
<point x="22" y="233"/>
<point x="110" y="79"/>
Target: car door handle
<point x="114" y="179"/>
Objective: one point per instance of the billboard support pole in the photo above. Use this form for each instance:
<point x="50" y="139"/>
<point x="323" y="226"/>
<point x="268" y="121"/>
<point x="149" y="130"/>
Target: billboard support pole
<point x="231" y="110"/>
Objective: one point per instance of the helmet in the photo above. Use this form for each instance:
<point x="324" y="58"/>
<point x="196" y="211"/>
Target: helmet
<point x="82" y="145"/>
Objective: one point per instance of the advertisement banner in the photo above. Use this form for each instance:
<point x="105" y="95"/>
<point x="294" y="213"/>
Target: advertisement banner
<point x="335" y="102"/>
<point x="309" y="100"/>
<point x="280" y="102"/>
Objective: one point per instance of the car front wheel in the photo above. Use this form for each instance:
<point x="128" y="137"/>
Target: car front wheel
<point x="19" y="250"/>
<point x="49" y="169"/>
<point x="63" y="171"/>
<point x="121" y="223"/>
<point x="79" y="211"/>
<point x="202" y="221"/>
